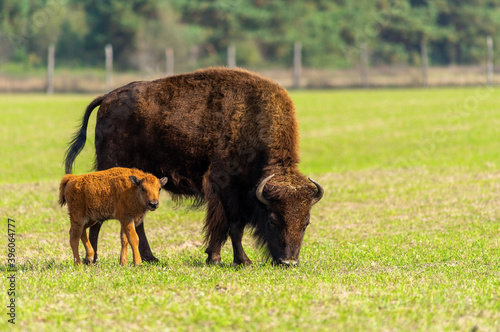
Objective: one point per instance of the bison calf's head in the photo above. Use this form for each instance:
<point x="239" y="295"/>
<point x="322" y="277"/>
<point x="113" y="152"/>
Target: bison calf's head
<point x="148" y="189"/>
<point x="288" y="201"/>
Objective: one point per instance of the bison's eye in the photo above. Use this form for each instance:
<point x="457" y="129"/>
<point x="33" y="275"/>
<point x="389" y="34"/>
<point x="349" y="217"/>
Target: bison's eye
<point x="143" y="190"/>
<point x="159" y="189"/>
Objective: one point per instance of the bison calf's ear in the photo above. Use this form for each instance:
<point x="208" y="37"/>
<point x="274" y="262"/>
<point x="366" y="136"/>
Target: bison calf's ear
<point x="163" y="181"/>
<point x="134" y="180"/>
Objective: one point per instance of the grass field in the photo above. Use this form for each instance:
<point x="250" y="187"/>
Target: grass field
<point x="407" y="236"/>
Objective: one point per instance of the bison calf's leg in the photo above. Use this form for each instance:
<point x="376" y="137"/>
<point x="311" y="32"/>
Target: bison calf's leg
<point x="94" y="237"/>
<point x="75" y="233"/>
<point x="89" y="251"/>
<point x="144" y="249"/>
<point x="129" y="229"/>
<point x="123" y="253"/>
<point x="236" y="234"/>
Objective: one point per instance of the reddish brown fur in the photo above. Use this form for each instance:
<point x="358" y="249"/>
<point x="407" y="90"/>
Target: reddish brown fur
<point x="216" y="134"/>
<point x="117" y="193"/>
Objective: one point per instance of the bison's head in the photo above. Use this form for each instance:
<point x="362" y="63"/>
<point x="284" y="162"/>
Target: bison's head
<point x="287" y="200"/>
<point x="148" y="189"/>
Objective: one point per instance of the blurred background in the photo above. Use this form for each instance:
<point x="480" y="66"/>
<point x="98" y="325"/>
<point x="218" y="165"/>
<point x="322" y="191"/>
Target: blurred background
<point x="59" y="45"/>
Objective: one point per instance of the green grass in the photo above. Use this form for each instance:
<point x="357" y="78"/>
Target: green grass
<point x="407" y="236"/>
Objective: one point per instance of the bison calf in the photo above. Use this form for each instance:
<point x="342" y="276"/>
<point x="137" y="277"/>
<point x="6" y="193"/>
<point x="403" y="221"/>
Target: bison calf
<point x="117" y="193"/>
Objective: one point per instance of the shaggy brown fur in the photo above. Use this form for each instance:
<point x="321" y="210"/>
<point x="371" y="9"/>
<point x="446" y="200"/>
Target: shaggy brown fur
<point x="216" y="134"/>
<point x="117" y="193"/>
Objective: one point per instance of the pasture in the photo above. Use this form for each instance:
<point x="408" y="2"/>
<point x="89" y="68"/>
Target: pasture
<point x="407" y="236"/>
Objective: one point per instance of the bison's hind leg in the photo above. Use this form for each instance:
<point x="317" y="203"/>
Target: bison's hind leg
<point x="144" y="248"/>
<point x="216" y="229"/>
<point x="89" y="251"/>
<point x="75" y="234"/>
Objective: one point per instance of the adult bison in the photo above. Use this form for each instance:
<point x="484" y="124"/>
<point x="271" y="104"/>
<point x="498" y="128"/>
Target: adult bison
<point x="223" y="136"/>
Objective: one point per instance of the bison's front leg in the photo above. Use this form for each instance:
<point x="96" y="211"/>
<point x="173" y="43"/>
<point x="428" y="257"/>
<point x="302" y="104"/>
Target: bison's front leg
<point x="236" y="234"/>
<point x="124" y="244"/>
<point x="128" y="233"/>
<point x="144" y="249"/>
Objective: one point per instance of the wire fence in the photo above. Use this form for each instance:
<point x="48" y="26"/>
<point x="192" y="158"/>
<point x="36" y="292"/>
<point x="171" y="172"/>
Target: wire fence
<point x="361" y="75"/>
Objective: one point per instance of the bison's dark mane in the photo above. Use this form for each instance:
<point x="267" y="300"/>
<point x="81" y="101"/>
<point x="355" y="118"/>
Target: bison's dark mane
<point x="259" y="218"/>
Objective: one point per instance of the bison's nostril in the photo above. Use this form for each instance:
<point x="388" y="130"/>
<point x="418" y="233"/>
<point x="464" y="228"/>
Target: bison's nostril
<point x="153" y="205"/>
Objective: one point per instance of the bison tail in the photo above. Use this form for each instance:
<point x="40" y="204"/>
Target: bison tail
<point x="62" y="187"/>
<point x="78" y="142"/>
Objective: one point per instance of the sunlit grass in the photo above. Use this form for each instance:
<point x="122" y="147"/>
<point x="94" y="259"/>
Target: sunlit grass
<point x="406" y="238"/>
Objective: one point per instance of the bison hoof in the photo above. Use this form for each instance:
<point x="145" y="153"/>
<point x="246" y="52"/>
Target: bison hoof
<point x="150" y="259"/>
<point x="214" y="262"/>
<point x="86" y="261"/>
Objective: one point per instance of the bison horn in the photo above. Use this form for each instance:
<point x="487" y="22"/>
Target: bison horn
<point x="260" y="189"/>
<point x="319" y="194"/>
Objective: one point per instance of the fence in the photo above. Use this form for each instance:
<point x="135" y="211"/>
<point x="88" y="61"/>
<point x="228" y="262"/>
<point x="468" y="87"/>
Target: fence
<point x="362" y="75"/>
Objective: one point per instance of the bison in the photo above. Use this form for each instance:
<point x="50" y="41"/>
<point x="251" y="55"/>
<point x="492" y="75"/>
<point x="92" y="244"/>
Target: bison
<point x="225" y="137"/>
<point x="117" y="193"/>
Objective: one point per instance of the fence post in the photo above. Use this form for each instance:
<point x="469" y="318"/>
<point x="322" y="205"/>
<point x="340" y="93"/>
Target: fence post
<point x="109" y="66"/>
<point x="297" y="64"/>
<point x="425" y="62"/>
<point x="489" y="41"/>
<point x="169" y="58"/>
<point x="364" y="65"/>
<point x="193" y="55"/>
<point x="231" y="56"/>
<point x="50" y="69"/>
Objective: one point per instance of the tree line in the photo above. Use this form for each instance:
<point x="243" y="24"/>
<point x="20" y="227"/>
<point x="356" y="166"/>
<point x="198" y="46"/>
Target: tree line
<point x="332" y="32"/>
